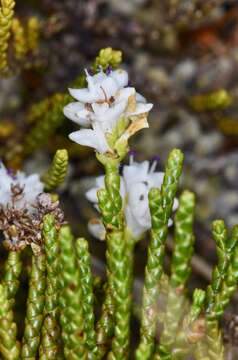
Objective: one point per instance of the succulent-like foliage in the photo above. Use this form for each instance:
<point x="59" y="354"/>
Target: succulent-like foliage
<point x="12" y="271"/>
<point x="71" y="316"/>
<point x="86" y="280"/>
<point x="35" y="307"/>
<point x="161" y="203"/>
<point x="48" y="121"/>
<point x="17" y="39"/>
<point x="108" y="57"/>
<point x="180" y="271"/>
<point x="9" y="346"/>
<point x="6" y="16"/>
<point x="60" y="315"/>
<point x="55" y="176"/>
<point x="50" y="331"/>
<point x="220" y="99"/>
<point x="110" y="203"/>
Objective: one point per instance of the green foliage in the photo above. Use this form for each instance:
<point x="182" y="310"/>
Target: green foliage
<point x="12" y="272"/>
<point x="71" y="297"/>
<point x="86" y="280"/>
<point x="9" y="346"/>
<point x="6" y="16"/>
<point x="35" y="307"/>
<point x="55" y="176"/>
<point x="108" y="57"/>
<point x="180" y="271"/>
<point x="216" y="100"/>
<point x="47" y="116"/>
<point x="50" y="331"/>
<point x="161" y="203"/>
<point x="60" y="318"/>
<point x="18" y="41"/>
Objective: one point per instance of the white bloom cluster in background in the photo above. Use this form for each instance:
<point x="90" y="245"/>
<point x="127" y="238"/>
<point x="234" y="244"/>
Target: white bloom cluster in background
<point x="19" y="190"/>
<point x="136" y="181"/>
<point x="100" y="106"/>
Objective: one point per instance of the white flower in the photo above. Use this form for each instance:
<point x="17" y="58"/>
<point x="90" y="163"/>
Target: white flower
<point x="136" y="181"/>
<point x="31" y="187"/>
<point x="91" y="137"/>
<point x="106" y="99"/>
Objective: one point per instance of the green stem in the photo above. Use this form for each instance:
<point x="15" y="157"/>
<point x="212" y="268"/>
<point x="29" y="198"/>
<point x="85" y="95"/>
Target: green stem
<point x="9" y="346"/>
<point x="50" y="332"/>
<point x="35" y="307"/>
<point x="180" y="271"/>
<point x="55" y="176"/>
<point x="184" y="240"/>
<point x="71" y="311"/>
<point x="86" y="280"/>
<point x="161" y="203"/>
<point x="122" y="297"/>
<point x="12" y="273"/>
<point x="110" y="204"/>
<point x="224" y="282"/>
<point x="192" y="329"/>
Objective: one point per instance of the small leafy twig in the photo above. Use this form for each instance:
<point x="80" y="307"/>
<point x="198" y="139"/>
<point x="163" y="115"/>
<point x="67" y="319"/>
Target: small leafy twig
<point x="71" y="311"/>
<point x="9" y="346"/>
<point x="12" y="271"/>
<point x="161" y="203"/>
<point x="50" y="332"/>
<point x="86" y="280"/>
<point x="55" y="176"/>
<point x="35" y="307"/>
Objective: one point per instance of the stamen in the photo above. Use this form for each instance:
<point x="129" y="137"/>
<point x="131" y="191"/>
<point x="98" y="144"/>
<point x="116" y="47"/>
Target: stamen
<point x="11" y="173"/>
<point x="105" y="95"/>
<point x="154" y="164"/>
<point x="108" y="70"/>
<point x="132" y="154"/>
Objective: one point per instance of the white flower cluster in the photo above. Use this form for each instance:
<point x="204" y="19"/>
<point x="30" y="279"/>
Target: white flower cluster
<point x="100" y="106"/>
<point x="136" y="181"/>
<point x="29" y="188"/>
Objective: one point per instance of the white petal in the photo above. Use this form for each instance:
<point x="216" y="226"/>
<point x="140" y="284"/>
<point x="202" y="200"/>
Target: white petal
<point x="122" y="188"/>
<point x="77" y="112"/>
<point x="100" y="109"/>
<point x="170" y="222"/>
<point x="96" y="228"/>
<point x="125" y="93"/>
<point x="141" y="108"/>
<point x="132" y="223"/>
<point x="83" y="95"/>
<point x="121" y="77"/>
<point x="106" y="89"/>
<point x="138" y="201"/>
<point x="140" y="98"/>
<point x="175" y="204"/>
<point x="156" y="179"/>
<point x="136" y="172"/>
<point x="100" y="181"/>
<point x="93" y="138"/>
<point x="99" y="77"/>
<point x="111" y="116"/>
<point x="91" y="195"/>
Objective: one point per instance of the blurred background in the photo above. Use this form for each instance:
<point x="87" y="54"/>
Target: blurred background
<point x="182" y="55"/>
